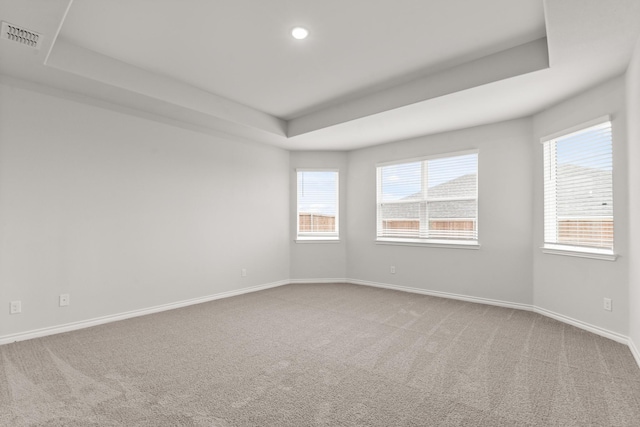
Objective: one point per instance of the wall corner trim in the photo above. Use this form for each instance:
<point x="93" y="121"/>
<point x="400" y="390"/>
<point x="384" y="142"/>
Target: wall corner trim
<point x="634" y="351"/>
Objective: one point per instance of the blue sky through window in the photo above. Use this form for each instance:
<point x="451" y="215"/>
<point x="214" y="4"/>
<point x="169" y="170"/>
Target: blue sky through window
<point x="586" y="148"/>
<point x="403" y="180"/>
<point x="400" y="181"/>
<point x="317" y="192"/>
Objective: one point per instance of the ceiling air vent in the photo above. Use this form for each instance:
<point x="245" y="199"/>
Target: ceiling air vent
<point x="20" y="35"/>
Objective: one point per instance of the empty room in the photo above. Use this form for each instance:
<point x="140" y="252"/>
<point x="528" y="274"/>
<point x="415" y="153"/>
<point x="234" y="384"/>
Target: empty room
<point x="319" y="213"/>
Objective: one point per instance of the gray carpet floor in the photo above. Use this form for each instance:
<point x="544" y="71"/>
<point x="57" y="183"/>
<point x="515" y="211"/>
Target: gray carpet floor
<point x="322" y="355"/>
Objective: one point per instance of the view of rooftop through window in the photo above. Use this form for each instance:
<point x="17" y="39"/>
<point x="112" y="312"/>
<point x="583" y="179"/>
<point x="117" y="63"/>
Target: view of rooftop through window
<point x="579" y="188"/>
<point x="429" y="199"/>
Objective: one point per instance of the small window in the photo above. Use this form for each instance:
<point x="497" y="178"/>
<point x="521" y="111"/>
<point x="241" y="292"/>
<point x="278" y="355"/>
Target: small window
<point x="429" y="200"/>
<point x="578" y="189"/>
<point x="317" y="216"/>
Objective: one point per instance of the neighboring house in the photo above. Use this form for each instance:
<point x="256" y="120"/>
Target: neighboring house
<point x="588" y="224"/>
<point x="447" y="216"/>
<point x="585" y="211"/>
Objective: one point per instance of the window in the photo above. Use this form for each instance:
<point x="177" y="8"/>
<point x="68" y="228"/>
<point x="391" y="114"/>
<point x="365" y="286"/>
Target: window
<point x="317" y="216"/>
<point x="578" y="190"/>
<point x="429" y="200"/>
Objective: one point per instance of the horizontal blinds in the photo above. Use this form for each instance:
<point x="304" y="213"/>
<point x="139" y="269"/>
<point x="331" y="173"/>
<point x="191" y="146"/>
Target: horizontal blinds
<point x="317" y="203"/>
<point x="400" y="208"/>
<point x="578" y="188"/>
<point x="429" y="199"/>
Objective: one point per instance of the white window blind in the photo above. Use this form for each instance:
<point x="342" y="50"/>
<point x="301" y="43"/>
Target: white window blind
<point x="431" y="199"/>
<point x="317" y="214"/>
<point x="578" y="189"/>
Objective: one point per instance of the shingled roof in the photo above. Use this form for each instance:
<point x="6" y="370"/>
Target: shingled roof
<point x="457" y="187"/>
<point x="593" y="197"/>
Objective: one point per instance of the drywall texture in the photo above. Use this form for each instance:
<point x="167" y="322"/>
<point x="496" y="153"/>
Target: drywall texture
<point x="501" y="268"/>
<point x="633" y="114"/>
<point x="316" y="261"/>
<point x="124" y="213"/>
<point x="575" y="287"/>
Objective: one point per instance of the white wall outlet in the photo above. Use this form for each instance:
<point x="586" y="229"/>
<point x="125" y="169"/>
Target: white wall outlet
<point x="392" y="269"/>
<point x="16" y="307"/>
<point x="607" y="304"/>
<point x="243" y="272"/>
<point x="64" y="300"/>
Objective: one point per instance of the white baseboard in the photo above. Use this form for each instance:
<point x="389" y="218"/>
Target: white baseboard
<point x="500" y="303"/>
<point x="164" y="307"/>
<point x="21" y="336"/>
<point x="634" y="351"/>
<point x="519" y="306"/>
<point x="297" y="281"/>
<point x="583" y="325"/>
<point x="488" y="301"/>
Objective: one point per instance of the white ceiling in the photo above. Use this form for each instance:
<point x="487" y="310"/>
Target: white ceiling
<point x="243" y="51"/>
<point x="370" y="71"/>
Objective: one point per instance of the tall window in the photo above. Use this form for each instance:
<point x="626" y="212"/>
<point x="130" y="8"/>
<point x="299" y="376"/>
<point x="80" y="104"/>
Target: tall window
<point x="317" y="216"/>
<point x="429" y="200"/>
<point x="578" y="189"/>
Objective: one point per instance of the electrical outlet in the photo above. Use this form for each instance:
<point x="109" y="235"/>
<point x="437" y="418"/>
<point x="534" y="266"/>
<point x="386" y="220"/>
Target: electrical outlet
<point x="607" y="304"/>
<point x="392" y="269"/>
<point x="64" y="300"/>
<point x="16" y="307"/>
<point x="243" y="272"/>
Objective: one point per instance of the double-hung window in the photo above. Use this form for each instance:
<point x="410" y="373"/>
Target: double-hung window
<point x="578" y="191"/>
<point x="431" y="200"/>
<point x="317" y="215"/>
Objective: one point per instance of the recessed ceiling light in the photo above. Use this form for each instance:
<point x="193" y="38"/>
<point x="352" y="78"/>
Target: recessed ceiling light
<point x="299" y="33"/>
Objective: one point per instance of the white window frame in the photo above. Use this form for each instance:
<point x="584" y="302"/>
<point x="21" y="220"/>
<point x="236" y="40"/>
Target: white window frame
<point x="549" y="245"/>
<point x="424" y="242"/>
<point x="318" y="237"/>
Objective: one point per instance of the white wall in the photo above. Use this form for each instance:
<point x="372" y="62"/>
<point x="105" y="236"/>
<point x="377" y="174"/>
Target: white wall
<point x="501" y="268"/>
<point x="125" y="213"/>
<point x="575" y="287"/>
<point x="311" y="261"/>
<point x="633" y="114"/>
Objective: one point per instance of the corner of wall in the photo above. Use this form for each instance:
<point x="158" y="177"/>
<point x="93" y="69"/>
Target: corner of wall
<point x="634" y="351"/>
<point x="632" y="80"/>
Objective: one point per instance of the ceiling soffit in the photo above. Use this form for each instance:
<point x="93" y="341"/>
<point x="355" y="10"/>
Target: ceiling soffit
<point x="526" y="58"/>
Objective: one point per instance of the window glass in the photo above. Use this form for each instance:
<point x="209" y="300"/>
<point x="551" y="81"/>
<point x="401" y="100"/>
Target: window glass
<point x="429" y="200"/>
<point x="578" y="190"/>
<point x="317" y="213"/>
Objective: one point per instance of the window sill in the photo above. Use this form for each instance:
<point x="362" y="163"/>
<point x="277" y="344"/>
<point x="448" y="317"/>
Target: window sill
<point x="579" y="252"/>
<point x="317" y="240"/>
<point x="429" y="244"/>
